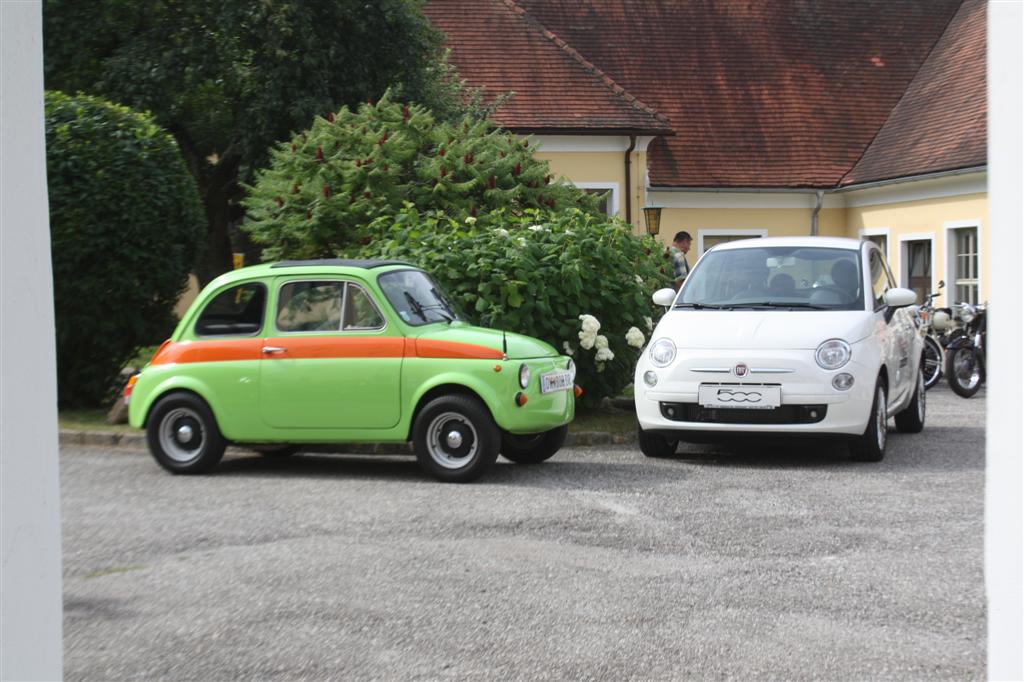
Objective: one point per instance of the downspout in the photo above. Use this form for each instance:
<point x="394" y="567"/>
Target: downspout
<point x="819" y="199"/>
<point x="629" y="191"/>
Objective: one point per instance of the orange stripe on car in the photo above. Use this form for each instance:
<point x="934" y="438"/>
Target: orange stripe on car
<point x="208" y="351"/>
<point x="304" y="348"/>
<point x="430" y="348"/>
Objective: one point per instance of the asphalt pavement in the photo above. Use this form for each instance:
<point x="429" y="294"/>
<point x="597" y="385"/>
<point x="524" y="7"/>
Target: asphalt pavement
<point x="763" y="561"/>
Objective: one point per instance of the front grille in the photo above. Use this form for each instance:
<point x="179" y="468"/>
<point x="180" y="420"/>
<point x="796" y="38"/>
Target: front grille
<point x="784" y="414"/>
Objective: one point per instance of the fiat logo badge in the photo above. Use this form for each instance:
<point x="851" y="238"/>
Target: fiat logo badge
<point x="740" y="370"/>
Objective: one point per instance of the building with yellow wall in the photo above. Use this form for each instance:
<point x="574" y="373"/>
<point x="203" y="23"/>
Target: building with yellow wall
<point x="755" y="119"/>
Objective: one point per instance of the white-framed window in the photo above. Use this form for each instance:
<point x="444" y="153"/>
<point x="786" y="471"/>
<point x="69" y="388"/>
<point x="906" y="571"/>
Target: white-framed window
<point x="880" y="236"/>
<point x="608" y="190"/>
<point x="709" y="238"/>
<point x="917" y="263"/>
<point x="965" y="261"/>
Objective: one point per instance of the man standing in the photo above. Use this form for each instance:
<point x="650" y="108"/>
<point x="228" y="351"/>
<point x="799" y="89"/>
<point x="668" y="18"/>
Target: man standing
<point x="680" y="247"/>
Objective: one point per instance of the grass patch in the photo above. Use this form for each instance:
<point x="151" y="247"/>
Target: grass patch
<point x="90" y="420"/>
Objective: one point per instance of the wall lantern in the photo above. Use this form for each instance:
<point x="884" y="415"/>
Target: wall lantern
<point x="652" y="218"/>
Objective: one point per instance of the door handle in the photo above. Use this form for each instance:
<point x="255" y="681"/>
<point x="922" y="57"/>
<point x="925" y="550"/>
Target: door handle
<point x="267" y="350"/>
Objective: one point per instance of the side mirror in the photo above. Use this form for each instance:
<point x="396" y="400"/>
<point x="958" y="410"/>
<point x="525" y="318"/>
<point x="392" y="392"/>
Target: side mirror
<point x="900" y="298"/>
<point x="664" y="297"/>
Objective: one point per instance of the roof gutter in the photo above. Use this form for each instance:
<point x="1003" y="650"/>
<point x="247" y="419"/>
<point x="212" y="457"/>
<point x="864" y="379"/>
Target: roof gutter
<point x="913" y="178"/>
<point x="629" y="192"/>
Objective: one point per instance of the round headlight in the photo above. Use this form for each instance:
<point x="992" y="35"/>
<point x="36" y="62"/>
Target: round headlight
<point x="571" y="366"/>
<point x="663" y="352"/>
<point x="966" y="313"/>
<point x="832" y="354"/>
<point x="524" y="375"/>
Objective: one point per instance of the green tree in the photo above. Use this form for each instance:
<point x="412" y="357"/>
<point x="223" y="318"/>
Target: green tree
<point x="326" y="186"/>
<point x="229" y="78"/>
<point x="125" y="223"/>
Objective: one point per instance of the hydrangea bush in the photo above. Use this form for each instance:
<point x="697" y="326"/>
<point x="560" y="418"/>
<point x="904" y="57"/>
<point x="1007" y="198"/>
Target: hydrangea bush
<point x="579" y="282"/>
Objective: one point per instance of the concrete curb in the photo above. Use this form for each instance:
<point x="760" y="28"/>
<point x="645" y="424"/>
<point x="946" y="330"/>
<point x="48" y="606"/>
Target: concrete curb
<point x="114" y="439"/>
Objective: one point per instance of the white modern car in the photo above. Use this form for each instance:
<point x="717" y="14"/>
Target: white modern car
<point x="785" y="336"/>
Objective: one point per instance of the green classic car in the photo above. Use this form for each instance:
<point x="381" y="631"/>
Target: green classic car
<point x="329" y="351"/>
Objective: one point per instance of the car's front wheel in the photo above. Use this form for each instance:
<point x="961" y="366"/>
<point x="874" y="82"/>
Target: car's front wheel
<point x="183" y="436"/>
<point x="870" y="446"/>
<point x="653" y="445"/>
<point x="535" y="447"/>
<point x="455" y="438"/>
<point x="911" y="418"/>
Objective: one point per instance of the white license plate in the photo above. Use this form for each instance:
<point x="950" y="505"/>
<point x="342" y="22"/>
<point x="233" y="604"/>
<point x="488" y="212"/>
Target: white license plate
<point x="555" y="381"/>
<point x="740" y="396"/>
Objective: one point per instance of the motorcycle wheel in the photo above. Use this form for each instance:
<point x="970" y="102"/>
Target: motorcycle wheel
<point x="931" y="362"/>
<point x="963" y="371"/>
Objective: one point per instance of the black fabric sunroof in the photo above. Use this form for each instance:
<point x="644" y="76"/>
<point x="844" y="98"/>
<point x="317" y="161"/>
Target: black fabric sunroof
<point x="351" y="263"/>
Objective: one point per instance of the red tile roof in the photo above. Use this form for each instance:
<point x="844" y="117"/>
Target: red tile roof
<point x="940" y="123"/>
<point x="496" y="46"/>
<point x="760" y="94"/>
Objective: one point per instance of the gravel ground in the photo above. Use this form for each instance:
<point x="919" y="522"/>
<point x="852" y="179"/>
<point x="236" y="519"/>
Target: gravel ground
<point x="763" y="562"/>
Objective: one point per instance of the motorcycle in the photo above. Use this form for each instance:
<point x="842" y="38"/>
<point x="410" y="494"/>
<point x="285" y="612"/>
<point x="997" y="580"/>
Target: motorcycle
<point x="938" y="329"/>
<point x="965" y="355"/>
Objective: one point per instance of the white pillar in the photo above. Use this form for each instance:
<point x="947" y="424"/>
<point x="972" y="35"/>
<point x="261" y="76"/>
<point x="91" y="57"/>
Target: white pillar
<point x="1004" y="475"/>
<point x="31" y="646"/>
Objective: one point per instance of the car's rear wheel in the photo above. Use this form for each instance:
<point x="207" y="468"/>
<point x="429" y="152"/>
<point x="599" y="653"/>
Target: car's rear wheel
<point x="535" y="447"/>
<point x="455" y="439"/>
<point x="870" y="446"/>
<point x="911" y="418"/>
<point x="183" y="436"/>
<point x="654" y="445"/>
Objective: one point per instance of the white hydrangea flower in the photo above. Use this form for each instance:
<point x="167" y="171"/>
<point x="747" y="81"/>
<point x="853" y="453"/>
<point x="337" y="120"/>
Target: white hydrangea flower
<point x="635" y="337"/>
<point x="604" y="354"/>
<point x="470" y="220"/>
<point x="639" y="279"/>
<point x="650" y="324"/>
<point x="521" y="241"/>
<point x="502" y="231"/>
<point x="589" y="323"/>
<point x="587" y="340"/>
<point x="569" y="350"/>
<point x="601" y="342"/>
<point x="536" y="228"/>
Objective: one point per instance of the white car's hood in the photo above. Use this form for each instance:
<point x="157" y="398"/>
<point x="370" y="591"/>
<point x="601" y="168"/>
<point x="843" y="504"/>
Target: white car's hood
<point x="767" y="329"/>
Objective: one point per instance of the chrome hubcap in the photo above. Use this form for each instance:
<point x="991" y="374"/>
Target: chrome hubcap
<point x="181" y="434"/>
<point x="451" y="440"/>
<point x="184" y="433"/>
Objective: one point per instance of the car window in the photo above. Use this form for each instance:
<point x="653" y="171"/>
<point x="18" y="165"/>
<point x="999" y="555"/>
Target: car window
<point x="416" y="297"/>
<point x="310" y="306"/>
<point x="360" y="310"/>
<point x="881" y="280"/>
<point x="776" y="277"/>
<point x="236" y="311"/>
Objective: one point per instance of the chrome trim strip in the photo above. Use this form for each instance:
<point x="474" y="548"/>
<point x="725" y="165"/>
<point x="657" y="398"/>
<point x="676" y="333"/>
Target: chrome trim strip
<point x="769" y="370"/>
<point x="711" y="370"/>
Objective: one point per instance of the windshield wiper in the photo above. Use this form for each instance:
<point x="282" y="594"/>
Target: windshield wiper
<point x="700" y="306"/>
<point x="780" y="304"/>
<point x="448" y="309"/>
<point x="415" y="306"/>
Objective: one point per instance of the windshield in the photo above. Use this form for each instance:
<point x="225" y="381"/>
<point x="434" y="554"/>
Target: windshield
<point x="416" y="297"/>
<point x="776" y="277"/>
